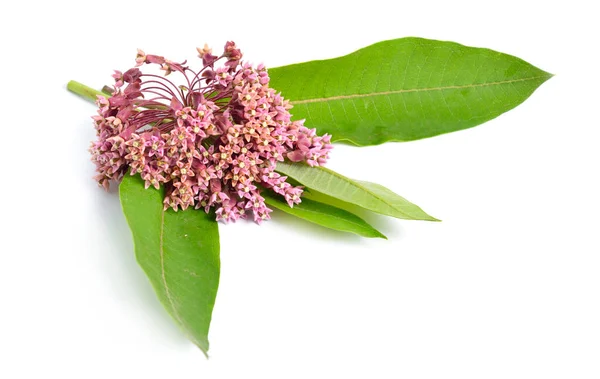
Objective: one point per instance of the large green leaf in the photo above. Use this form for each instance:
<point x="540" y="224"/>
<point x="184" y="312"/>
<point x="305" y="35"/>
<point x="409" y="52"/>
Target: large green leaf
<point x="405" y="89"/>
<point x="371" y="196"/>
<point x="325" y="215"/>
<point x="179" y="252"/>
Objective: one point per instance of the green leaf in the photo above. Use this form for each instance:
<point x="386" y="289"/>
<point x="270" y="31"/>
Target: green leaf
<point x="405" y="89"/>
<point x="179" y="252"/>
<point x="371" y="196"/>
<point x="325" y="215"/>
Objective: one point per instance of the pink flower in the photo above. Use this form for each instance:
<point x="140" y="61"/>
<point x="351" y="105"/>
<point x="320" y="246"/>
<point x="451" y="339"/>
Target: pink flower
<point x="213" y="142"/>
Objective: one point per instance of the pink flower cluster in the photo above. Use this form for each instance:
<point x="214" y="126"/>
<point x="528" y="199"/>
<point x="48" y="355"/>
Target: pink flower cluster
<point x="212" y="142"/>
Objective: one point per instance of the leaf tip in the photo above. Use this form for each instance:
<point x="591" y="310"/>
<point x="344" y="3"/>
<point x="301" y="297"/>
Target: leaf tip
<point x="203" y="348"/>
<point x="547" y="75"/>
<point x="428" y="217"/>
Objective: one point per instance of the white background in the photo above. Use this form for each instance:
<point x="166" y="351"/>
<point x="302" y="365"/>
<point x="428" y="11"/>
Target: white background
<point x="507" y="286"/>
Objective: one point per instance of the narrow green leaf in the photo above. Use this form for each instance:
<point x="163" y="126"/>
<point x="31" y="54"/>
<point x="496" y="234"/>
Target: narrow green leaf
<point x="179" y="252"/>
<point x="325" y="215"/>
<point x="405" y="89"/>
<point x="371" y="196"/>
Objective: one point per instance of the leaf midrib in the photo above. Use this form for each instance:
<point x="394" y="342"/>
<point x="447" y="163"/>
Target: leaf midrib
<point x="166" y="286"/>
<point x="162" y="268"/>
<point x="394" y="92"/>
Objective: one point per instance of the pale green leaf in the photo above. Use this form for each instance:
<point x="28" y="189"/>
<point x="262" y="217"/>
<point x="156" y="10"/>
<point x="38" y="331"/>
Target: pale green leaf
<point x="405" y="89"/>
<point x="179" y="252"/>
<point x="370" y="196"/>
<point x="324" y="215"/>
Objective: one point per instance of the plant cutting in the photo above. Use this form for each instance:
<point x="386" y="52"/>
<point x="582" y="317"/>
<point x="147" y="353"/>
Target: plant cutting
<point x="194" y="146"/>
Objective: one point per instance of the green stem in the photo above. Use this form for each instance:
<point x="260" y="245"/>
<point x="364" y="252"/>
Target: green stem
<point x="84" y="91"/>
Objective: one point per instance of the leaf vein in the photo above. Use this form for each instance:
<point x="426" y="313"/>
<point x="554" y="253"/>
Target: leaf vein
<point x="394" y="92"/>
<point x="163" y="273"/>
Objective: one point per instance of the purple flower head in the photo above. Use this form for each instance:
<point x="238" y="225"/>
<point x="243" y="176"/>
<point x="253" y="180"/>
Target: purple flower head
<point x="213" y="142"/>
